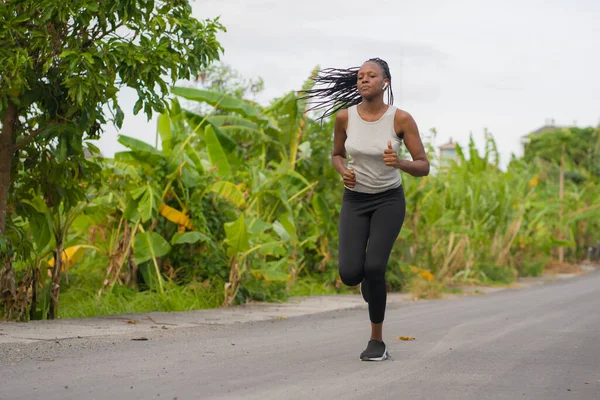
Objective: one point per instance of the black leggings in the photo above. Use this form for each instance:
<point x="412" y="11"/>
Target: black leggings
<point x="368" y="227"/>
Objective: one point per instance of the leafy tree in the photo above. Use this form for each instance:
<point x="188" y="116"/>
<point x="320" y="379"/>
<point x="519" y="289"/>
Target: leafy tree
<point x="575" y="151"/>
<point x="61" y="67"/>
<point x="63" y="63"/>
<point x="580" y="148"/>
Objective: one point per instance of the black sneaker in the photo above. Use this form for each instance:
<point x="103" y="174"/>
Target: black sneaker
<point x="375" y="351"/>
<point x="363" y="290"/>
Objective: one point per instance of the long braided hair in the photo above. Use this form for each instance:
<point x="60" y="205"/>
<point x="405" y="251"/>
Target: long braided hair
<point x="340" y="89"/>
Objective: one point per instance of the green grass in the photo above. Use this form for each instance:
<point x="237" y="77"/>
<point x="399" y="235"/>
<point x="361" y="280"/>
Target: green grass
<point x="425" y="289"/>
<point x="311" y="287"/>
<point x="123" y="300"/>
<point x="80" y="299"/>
<point x="452" y="290"/>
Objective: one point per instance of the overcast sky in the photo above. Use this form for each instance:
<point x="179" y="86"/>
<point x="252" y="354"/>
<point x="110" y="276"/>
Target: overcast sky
<point x="457" y="66"/>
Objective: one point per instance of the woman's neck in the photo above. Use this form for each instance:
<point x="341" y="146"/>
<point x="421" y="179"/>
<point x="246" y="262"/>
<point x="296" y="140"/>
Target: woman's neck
<point x="372" y="105"/>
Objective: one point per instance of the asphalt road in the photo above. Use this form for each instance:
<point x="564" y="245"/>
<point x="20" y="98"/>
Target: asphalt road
<point x="535" y="343"/>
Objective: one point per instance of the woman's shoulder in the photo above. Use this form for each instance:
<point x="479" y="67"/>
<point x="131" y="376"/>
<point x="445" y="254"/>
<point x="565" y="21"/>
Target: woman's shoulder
<point x="341" y="120"/>
<point x="401" y="115"/>
<point x="342" y="115"/>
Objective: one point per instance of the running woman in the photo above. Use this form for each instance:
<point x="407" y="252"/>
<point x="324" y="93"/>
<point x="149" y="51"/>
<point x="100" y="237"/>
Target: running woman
<point x="373" y="206"/>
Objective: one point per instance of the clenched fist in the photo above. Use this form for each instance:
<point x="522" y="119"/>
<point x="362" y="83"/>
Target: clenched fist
<point x="349" y="178"/>
<point x="390" y="156"/>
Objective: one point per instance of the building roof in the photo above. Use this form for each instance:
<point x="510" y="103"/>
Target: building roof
<point x="448" y="146"/>
<point x="547" y="127"/>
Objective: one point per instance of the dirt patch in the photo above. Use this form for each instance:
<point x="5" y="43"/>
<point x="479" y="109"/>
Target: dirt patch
<point x="592" y="264"/>
<point x="556" y="267"/>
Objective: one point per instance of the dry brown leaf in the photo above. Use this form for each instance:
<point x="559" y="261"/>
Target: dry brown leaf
<point x="140" y="338"/>
<point x="132" y="321"/>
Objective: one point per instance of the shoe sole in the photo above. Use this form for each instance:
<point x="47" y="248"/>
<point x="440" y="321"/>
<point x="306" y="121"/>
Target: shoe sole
<point x="384" y="357"/>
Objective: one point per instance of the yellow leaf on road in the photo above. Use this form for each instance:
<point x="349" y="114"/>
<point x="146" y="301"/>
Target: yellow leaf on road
<point x="405" y="338"/>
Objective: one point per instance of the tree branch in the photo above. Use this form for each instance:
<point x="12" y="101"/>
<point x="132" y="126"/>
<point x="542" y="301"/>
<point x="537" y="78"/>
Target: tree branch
<point x="108" y="32"/>
<point x="27" y="140"/>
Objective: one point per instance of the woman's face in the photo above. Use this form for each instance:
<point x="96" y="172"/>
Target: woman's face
<point x="371" y="81"/>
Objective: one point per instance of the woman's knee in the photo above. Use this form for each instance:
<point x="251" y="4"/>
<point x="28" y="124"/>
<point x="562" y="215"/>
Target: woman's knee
<point x="375" y="271"/>
<point x="351" y="276"/>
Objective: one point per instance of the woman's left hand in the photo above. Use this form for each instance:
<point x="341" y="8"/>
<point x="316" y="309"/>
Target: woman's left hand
<point x="390" y="156"/>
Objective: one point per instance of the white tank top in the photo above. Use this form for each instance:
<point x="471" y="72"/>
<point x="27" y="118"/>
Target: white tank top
<point x="365" y="143"/>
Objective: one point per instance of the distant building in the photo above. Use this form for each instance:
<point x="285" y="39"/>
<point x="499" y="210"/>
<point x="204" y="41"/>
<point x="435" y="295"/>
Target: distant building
<point x="548" y="127"/>
<point x="448" y="153"/>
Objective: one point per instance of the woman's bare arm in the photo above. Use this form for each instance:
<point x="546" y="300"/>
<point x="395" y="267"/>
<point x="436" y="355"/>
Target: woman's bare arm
<point x="405" y="124"/>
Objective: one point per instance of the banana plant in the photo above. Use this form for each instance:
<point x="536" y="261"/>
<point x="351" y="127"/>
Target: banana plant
<point x="270" y="190"/>
<point x="146" y="179"/>
<point x="51" y="226"/>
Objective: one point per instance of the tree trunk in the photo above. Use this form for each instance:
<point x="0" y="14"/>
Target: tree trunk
<point x="55" y="286"/>
<point x="34" y="292"/>
<point x="561" y="195"/>
<point x="8" y="290"/>
<point x="7" y="139"/>
<point x="232" y="287"/>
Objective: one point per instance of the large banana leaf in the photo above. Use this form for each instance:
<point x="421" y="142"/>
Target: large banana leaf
<point x="320" y="208"/>
<point x="216" y="154"/>
<point x="170" y="127"/>
<point x="240" y="130"/>
<point x="150" y="246"/>
<point x="134" y="160"/>
<point x="182" y="166"/>
<point x="232" y="120"/>
<point x="226" y="141"/>
<point x="142" y="149"/>
<point x="237" y="237"/>
<point x="273" y="271"/>
<point x="147" y="201"/>
<point x="285" y="227"/>
<point x="189" y="237"/>
<point x="190" y="176"/>
<point x="41" y="229"/>
<point x="289" y="116"/>
<point x="193" y="155"/>
<point x="220" y="100"/>
<point x="163" y="126"/>
<point x="72" y="255"/>
<point x="40" y="220"/>
<point x="257" y="226"/>
<point x="229" y="191"/>
<point x="231" y="130"/>
<point x="274" y="248"/>
<point x="281" y="231"/>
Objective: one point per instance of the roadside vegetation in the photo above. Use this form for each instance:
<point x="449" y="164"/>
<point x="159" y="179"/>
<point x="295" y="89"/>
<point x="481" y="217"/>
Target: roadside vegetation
<point x="235" y="201"/>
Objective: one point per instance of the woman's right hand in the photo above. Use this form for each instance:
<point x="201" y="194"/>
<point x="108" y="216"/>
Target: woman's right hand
<point x="349" y="178"/>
